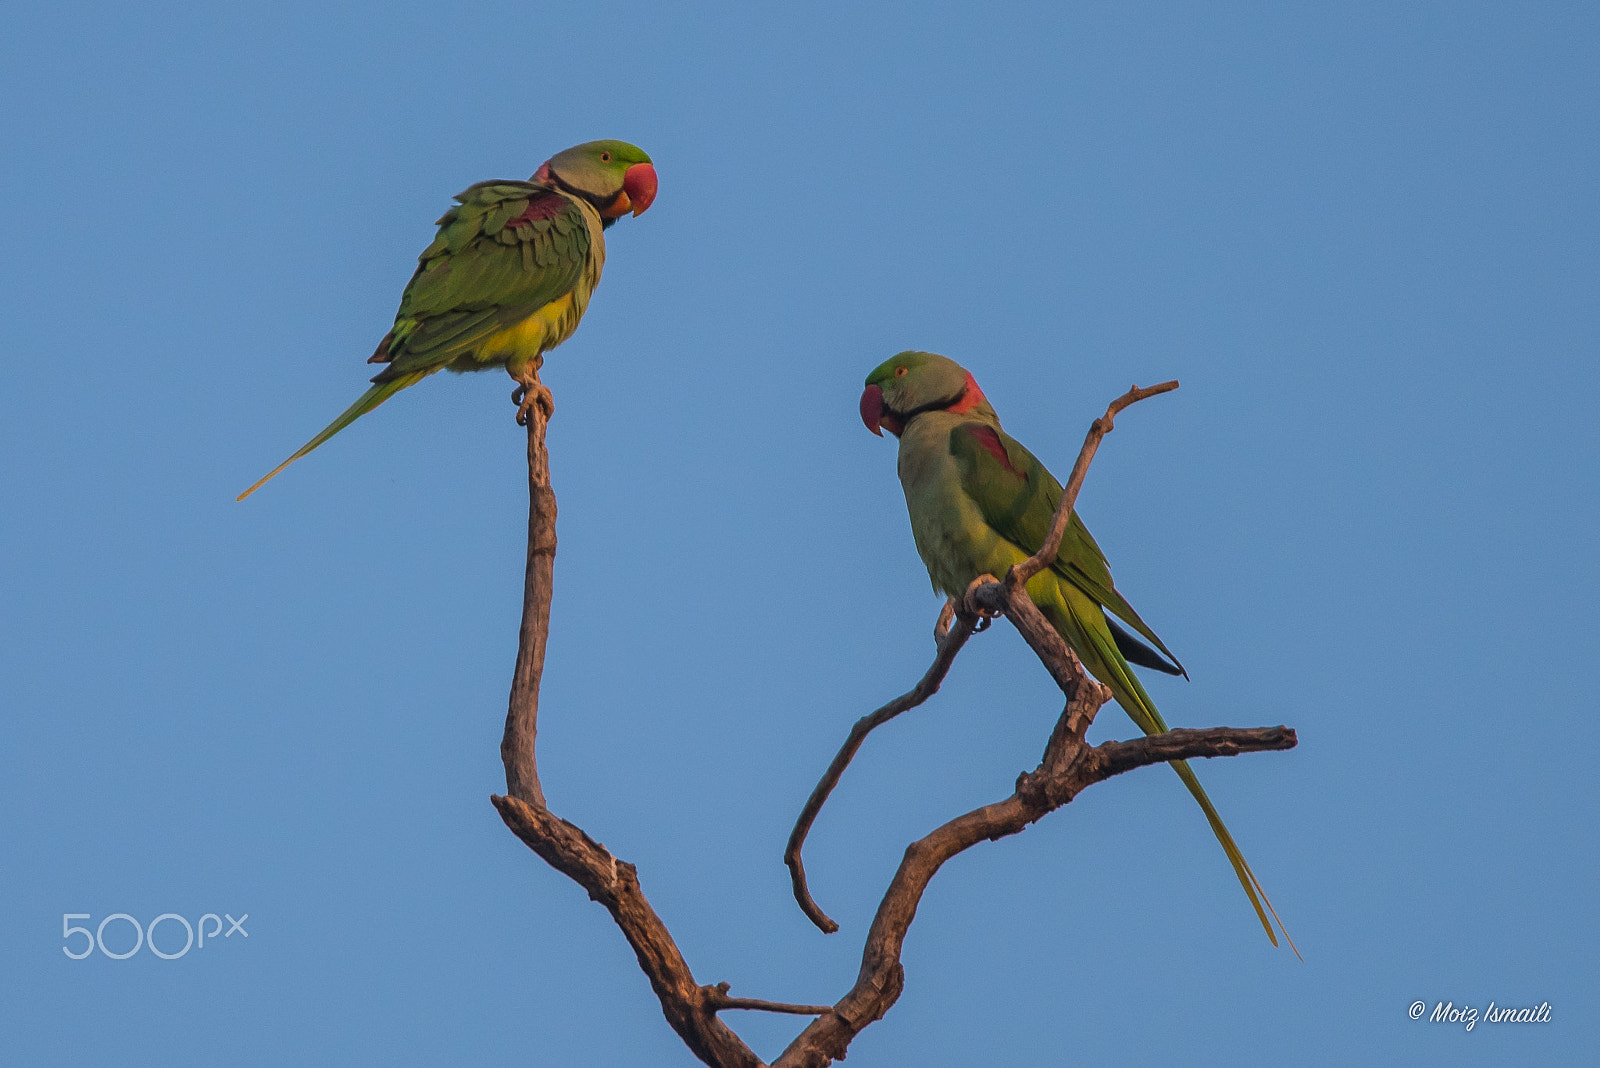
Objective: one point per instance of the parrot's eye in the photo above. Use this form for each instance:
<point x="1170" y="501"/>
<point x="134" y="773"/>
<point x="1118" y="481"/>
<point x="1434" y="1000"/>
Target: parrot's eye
<point x="899" y="372"/>
<point x="605" y="157"/>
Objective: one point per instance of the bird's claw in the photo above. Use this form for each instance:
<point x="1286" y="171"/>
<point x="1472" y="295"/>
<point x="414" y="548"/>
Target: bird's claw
<point x="984" y="614"/>
<point x="525" y="397"/>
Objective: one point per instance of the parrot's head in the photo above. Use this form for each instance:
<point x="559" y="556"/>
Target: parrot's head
<point x="905" y="386"/>
<point x="614" y="176"/>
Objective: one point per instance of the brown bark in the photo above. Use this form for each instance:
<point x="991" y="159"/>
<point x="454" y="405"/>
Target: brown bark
<point x="517" y="749"/>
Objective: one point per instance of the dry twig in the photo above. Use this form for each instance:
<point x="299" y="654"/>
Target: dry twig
<point x="1067" y="768"/>
<point x="949" y="645"/>
<point x="1102" y="426"/>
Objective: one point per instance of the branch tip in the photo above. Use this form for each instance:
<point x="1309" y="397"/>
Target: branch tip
<point x="1046" y="555"/>
<point x="716" y="999"/>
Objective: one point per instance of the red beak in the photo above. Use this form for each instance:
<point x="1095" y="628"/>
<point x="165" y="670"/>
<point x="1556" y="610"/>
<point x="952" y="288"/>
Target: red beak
<point x="872" y="409"/>
<point x="639" y="183"/>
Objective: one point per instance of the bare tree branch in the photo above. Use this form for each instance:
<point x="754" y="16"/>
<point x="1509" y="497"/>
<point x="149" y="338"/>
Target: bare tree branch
<point x="719" y="999"/>
<point x="1180" y="743"/>
<point x="522" y="714"/>
<point x="949" y="645"/>
<point x="1021" y="573"/>
<point x="1014" y="603"/>
<point x="1067" y="768"/>
<point x="688" y="1006"/>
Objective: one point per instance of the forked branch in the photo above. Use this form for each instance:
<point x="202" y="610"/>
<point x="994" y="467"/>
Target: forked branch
<point x="1066" y="769"/>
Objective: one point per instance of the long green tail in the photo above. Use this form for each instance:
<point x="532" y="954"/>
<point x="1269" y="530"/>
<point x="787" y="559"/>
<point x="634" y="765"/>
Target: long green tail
<point x="367" y="401"/>
<point x="1082" y="623"/>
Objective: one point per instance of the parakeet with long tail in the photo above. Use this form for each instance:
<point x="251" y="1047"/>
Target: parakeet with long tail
<point x="507" y="278"/>
<point x="981" y="503"/>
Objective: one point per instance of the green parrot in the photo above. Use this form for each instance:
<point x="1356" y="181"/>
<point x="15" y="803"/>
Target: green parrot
<point x="980" y="503"/>
<point x="507" y="277"/>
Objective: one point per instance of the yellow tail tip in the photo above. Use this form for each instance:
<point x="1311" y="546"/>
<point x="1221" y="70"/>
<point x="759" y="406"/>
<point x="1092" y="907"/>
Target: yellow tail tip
<point x="251" y="490"/>
<point x="264" y="479"/>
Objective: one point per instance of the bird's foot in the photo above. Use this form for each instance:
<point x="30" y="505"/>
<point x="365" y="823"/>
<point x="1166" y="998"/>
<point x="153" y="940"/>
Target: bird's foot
<point x="525" y="397"/>
<point x="530" y="391"/>
<point x="985" y="615"/>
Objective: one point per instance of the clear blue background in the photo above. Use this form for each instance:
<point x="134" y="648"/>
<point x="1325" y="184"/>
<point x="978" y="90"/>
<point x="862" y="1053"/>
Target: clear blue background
<point x="1363" y="236"/>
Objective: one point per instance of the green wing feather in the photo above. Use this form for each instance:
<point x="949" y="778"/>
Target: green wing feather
<point x="1018" y="498"/>
<point x="1020" y="501"/>
<point x="480" y="275"/>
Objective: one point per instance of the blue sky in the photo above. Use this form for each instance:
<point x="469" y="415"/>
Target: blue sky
<point x="1363" y="237"/>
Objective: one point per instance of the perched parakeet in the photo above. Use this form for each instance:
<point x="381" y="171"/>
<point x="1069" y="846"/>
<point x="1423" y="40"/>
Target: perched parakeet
<point x="980" y="503"/>
<point x="507" y="277"/>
